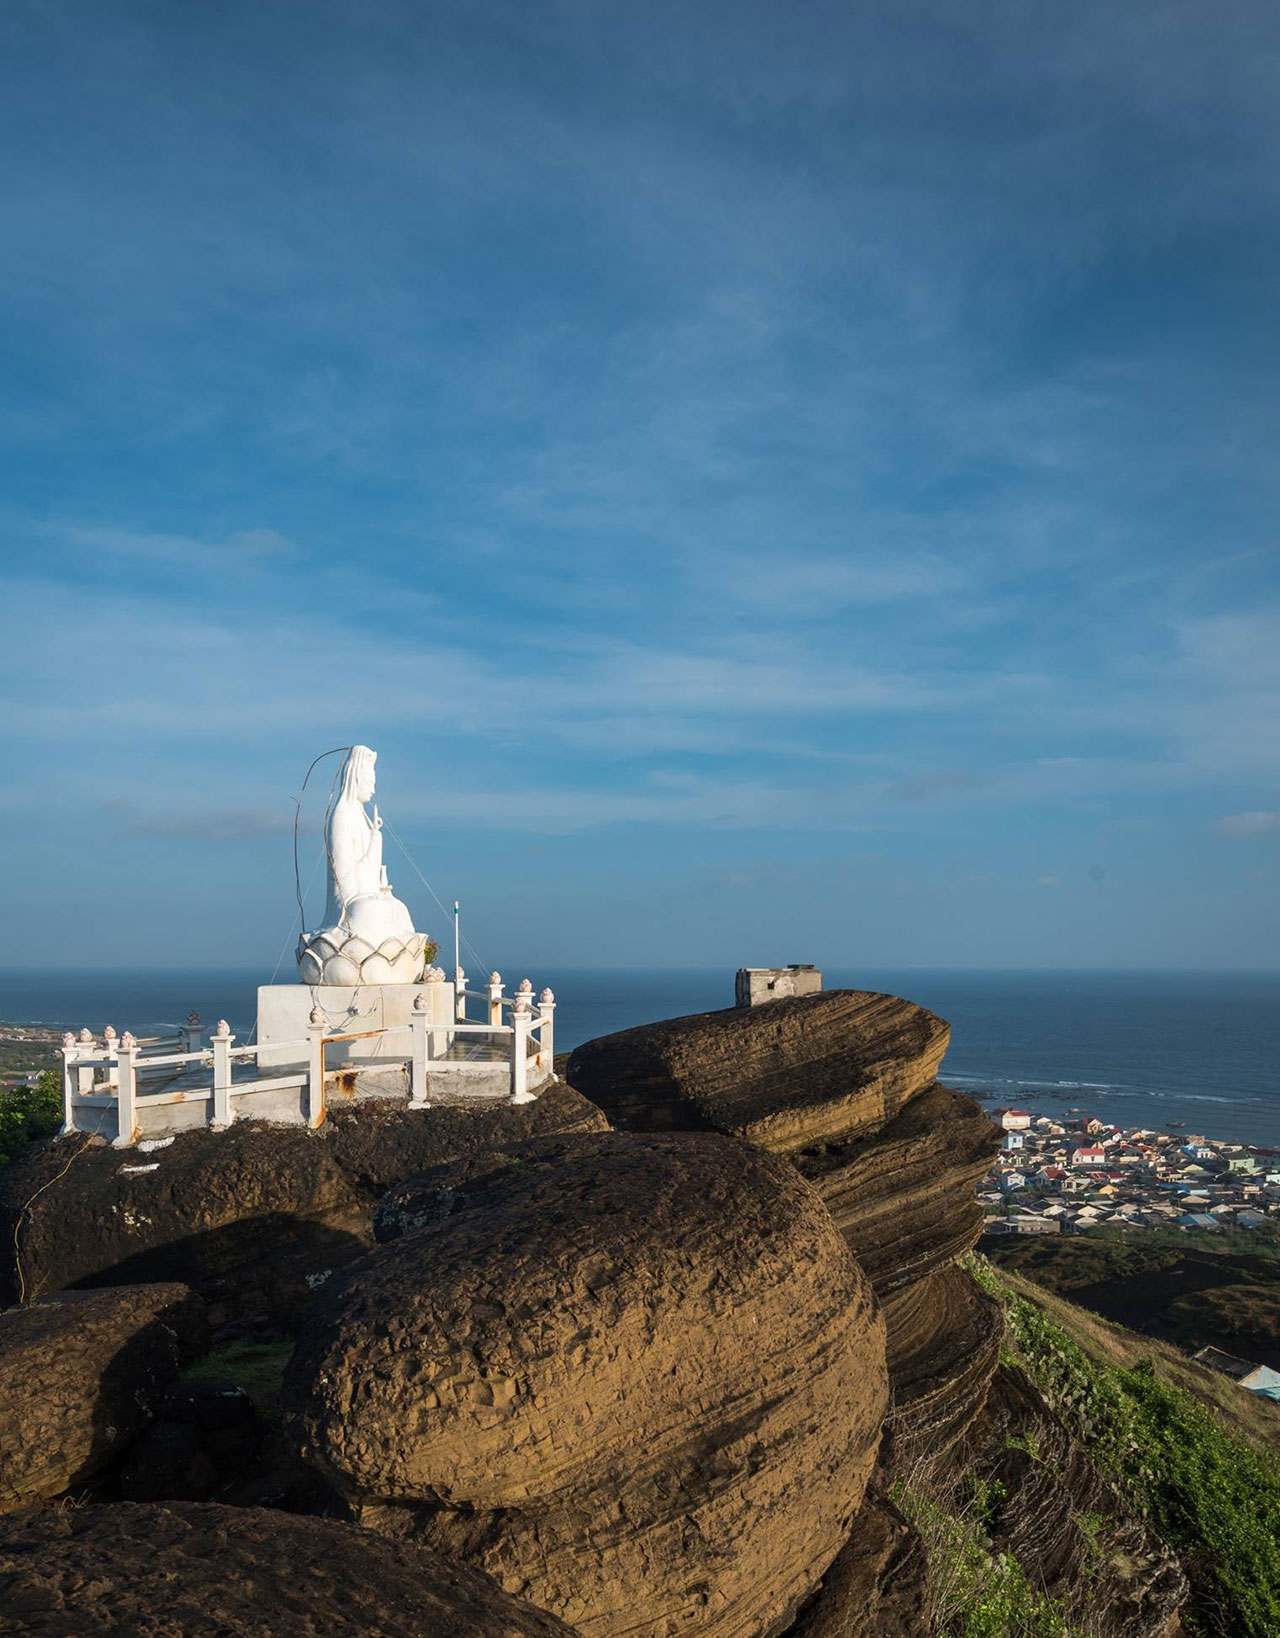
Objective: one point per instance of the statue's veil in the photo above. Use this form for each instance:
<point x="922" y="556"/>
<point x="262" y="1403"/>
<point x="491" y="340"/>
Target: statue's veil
<point x="358" y="766"/>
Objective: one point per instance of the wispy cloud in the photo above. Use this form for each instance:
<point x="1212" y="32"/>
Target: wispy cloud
<point x="1248" y="825"/>
<point x="677" y="421"/>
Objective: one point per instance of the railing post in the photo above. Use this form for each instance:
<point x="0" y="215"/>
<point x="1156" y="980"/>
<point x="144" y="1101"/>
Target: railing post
<point x="421" y="1052"/>
<point x="521" y="1020"/>
<point x="126" y="1091"/>
<point x="546" y="1035"/>
<point x="441" y="1036"/>
<point x="84" y="1075"/>
<point x="315" y="1068"/>
<point x="190" y="1032"/>
<point x="222" y="1039"/>
<point x="69" y="1050"/>
<point x="459" y="996"/>
<point x="109" y="1071"/>
<point x="495" y="998"/>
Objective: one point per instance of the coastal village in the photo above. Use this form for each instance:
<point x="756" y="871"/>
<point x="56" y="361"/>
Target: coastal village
<point x="1065" y="1176"/>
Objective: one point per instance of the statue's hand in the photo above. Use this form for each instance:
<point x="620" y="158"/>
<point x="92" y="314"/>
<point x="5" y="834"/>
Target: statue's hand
<point x="377" y="819"/>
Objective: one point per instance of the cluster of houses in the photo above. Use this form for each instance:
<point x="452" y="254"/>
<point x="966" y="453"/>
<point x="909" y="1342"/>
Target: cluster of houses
<point x="1065" y="1176"/>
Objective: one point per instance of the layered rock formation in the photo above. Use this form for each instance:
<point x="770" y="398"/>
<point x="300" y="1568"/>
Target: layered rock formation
<point x="188" y="1570"/>
<point x="843" y="1084"/>
<point x="638" y="1379"/>
<point x="81" y="1375"/>
<point x="252" y="1218"/>
<point x="786" y="1075"/>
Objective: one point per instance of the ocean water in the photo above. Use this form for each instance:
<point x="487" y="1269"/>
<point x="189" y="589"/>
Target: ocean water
<point x="1141" y="1049"/>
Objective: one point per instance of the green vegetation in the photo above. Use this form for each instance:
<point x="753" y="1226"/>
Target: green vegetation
<point x="1194" y="1288"/>
<point x="257" y="1367"/>
<point x="1243" y="1319"/>
<point x="28" y="1112"/>
<point x="1214" y="1497"/>
<point x="31" y="1055"/>
<point x="978" y="1593"/>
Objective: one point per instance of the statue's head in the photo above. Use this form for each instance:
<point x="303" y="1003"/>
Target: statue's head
<point x="358" y="774"/>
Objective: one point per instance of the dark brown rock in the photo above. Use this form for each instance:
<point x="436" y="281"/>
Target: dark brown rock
<point x="81" y="1376"/>
<point x="205" y="1435"/>
<point x="785" y="1075"/>
<point x="640" y="1379"/>
<point x="378" y="1145"/>
<point x="253" y="1218"/>
<point x="878" y="1585"/>
<point x="189" y="1570"/>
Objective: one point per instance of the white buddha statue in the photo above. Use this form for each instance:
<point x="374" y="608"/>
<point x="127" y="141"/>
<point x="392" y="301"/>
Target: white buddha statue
<point x="368" y="935"/>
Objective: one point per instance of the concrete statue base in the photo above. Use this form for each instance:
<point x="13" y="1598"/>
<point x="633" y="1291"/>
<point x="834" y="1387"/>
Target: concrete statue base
<point x="284" y="1011"/>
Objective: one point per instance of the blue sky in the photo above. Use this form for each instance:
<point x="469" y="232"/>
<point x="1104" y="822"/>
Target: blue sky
<point x="773" y="481"/>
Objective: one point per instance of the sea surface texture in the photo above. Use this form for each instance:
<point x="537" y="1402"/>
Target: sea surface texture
<point x="1139" y="1049"/>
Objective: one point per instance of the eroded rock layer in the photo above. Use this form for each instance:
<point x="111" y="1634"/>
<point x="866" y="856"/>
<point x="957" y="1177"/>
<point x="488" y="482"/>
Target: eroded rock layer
<point x="191" y="1570"/>
<point x="81" y="1376"/>
<point x="785" y="1075"/>
<point x="943" y="1344"/>
<point x="640" y="1379"/>
<point x="904" y="1194"/>
<point x="253" y="1218"/>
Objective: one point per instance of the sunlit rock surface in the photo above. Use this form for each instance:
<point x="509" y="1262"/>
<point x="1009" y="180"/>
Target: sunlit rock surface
<point x="639" y="1379"/>
<point x="785" y="1075"/>
<point x="843" y="1084"/>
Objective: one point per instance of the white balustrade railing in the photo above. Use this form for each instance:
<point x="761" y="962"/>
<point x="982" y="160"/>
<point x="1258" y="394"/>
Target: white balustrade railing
<point x="113" y="1073"/>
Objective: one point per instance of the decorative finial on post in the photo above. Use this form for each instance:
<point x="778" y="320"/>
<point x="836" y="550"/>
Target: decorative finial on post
<point x="127" y="1041"/>
<point x="193" y="1020"/>
<point x="317" y="1017"/>
<point x="223" y="1028"/>
<point x="547" y="996"/>
<point x="525" y="987"/>
<point x="86" y="1037"/>
<point x="108" y="1035"/>
<point x="420" y="1001"/>
<point x="68" y="1041"/>
<point x="495" y="978"/>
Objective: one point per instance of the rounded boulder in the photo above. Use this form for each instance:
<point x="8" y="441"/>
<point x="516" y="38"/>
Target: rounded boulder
<point x="639" y="1379"/>
<point x="203" y="1571"/>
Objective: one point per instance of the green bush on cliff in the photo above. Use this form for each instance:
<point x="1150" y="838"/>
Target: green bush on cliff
<point x="977" y="1593"/>
<point x="1214" y="1498"/>
<point x="28" y="1112"/>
